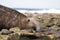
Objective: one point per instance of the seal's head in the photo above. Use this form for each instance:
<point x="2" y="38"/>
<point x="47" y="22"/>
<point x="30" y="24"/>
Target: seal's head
<point x="33" y="24"/>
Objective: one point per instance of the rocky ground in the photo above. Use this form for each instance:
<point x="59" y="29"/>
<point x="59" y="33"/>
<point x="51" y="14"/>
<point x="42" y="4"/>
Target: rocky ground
<point x="50" y="24"/>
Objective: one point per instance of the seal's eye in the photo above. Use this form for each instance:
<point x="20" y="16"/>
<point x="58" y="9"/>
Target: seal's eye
<point x="28" y="20"/>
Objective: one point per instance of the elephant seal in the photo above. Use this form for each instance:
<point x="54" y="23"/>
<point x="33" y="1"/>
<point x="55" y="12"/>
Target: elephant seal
<point x="10" y="18"/>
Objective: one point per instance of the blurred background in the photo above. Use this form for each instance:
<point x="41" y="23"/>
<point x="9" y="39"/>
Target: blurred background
<point x="31" y="3"/>
<point x="42" y="6"/>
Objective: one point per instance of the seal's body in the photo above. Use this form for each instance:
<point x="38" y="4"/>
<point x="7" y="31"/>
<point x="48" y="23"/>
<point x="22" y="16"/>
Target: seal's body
<point x="10" y="18"/>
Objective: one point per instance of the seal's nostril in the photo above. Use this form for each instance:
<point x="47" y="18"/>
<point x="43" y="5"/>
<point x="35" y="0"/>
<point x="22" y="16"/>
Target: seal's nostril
<point x="34" y="28"/>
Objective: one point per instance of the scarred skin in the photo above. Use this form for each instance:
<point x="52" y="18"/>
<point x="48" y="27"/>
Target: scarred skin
<point x="10" y="18"/>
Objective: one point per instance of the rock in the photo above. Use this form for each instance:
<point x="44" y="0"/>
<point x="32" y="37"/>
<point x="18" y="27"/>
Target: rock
<point x="52" y="36"/>
<point x="5" y="32"/>
<point x="15" y="29"/>
<point x="13" y="36"/>
<point x="57" y="38"/>
<point x="24" y="38"/>
<point x="3" y="37"/>
<point x="44" y="38"/>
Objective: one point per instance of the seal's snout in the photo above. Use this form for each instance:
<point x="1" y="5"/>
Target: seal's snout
<point x="34" y="28"/>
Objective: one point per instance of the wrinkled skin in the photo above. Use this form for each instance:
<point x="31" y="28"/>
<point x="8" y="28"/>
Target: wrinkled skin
<point x="10" y="18"/>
